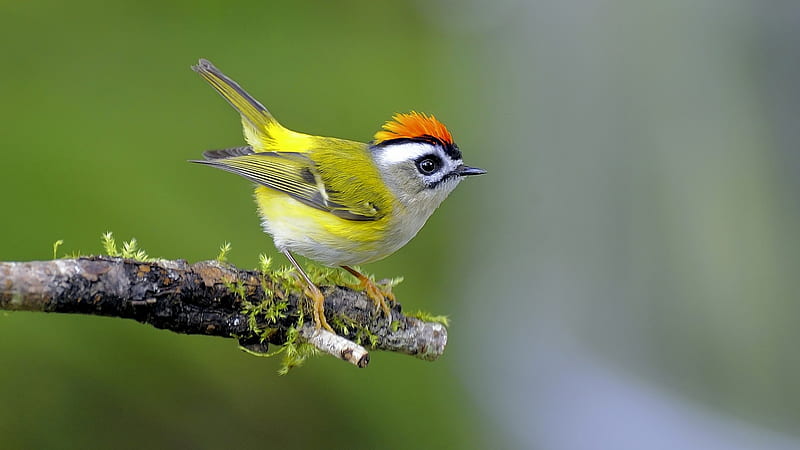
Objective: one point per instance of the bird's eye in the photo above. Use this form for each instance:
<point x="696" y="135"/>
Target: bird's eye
<point x="429" y="165"/>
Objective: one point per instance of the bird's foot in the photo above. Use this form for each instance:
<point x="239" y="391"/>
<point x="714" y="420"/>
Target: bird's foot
<point x="312" y="291"/>
<point x="379" y="296"/>
<point x="318" y="306"/>
<point x="376" y="293"/>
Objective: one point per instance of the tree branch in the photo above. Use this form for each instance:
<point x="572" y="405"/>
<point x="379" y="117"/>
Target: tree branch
<point x="199" y="299"/>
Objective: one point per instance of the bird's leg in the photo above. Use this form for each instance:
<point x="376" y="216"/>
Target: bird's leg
<point x="378" y="295"/>
<point x="313" y="292"/>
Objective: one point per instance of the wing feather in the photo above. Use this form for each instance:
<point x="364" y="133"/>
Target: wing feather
<point x="294" y="174"/>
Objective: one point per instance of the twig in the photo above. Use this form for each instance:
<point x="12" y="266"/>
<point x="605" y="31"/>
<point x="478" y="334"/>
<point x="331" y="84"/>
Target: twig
<point x="335" y="345"/>
<point x="199" y="299"/>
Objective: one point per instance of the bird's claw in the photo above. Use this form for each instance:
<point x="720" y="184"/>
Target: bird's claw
<point x="318" y="307"/>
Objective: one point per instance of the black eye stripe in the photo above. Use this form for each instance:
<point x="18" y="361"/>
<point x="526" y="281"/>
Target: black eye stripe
<point x="450" y="149"/>
<point x="444" y="178"/>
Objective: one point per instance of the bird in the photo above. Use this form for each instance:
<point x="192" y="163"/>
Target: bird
<point x="335" y="201"/>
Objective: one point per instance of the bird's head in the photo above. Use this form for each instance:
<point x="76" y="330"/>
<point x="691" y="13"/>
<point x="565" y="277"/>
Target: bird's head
<point x="418" y="160"/>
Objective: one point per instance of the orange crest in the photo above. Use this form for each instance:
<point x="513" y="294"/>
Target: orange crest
<point x="414" y="125"/>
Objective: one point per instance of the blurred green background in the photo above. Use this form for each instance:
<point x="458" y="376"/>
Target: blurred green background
<point x="624" y="277"/>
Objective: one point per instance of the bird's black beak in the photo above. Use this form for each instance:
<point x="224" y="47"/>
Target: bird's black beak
<point x="467" y="170"/>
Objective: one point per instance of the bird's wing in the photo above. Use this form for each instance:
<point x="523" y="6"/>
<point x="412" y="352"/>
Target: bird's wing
<point x="298" y="176"/>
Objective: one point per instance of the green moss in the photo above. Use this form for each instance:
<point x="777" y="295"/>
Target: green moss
<point x="224" y="249"/>
<point x="344" y="326"/>
<point x="322" y="275"/>
<point x="130" y="249"/>
<point x="276" y="285"/>
<point x="264" y="262"/>
<point x="238" y="288"/>
<point x="341" y="324"/>
<point x="109" y="244"/>
<point x="74" y="254"/>
<point x="57" y="244"/>
<point x="366" y="338"/>
<point x="428" y="317"/>
<point x="295" y="351"/>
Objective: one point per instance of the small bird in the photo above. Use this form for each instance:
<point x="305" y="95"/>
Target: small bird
<point x="334" y="201"/>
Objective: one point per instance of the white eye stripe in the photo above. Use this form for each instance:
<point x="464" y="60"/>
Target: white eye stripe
<point x="407" y="151"/>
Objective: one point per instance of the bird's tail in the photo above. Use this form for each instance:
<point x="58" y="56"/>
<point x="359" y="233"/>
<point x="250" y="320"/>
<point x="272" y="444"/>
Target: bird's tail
<point x="260" y="128"/>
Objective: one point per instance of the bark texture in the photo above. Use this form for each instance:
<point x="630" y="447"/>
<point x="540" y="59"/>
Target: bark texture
<point x="198" y="299"/>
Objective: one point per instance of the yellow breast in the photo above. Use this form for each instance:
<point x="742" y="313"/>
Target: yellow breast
<point x="320" y="235"/>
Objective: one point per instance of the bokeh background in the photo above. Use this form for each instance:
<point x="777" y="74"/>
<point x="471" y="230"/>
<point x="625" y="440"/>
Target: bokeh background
<point x="625" y="277"/>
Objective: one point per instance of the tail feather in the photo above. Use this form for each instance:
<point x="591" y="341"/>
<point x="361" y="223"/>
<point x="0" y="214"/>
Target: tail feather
<point x="251" y="110"/>
<point x="227" y="153"/>
<point x="261" y="131"/>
